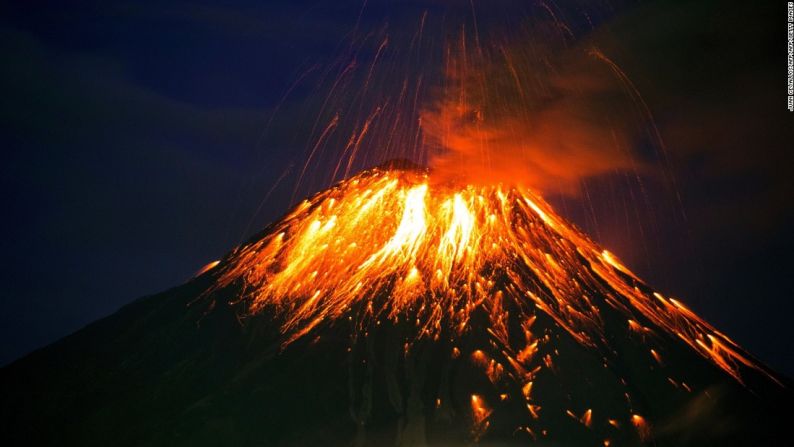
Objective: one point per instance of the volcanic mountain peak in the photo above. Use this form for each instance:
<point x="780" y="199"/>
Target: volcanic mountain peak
<point x="389" y="245"/>
<point x="487" y="275"/>
<point x="392" y="310"/>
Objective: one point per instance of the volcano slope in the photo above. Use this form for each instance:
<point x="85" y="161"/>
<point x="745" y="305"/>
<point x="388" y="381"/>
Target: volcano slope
<point x="388" y="310"/>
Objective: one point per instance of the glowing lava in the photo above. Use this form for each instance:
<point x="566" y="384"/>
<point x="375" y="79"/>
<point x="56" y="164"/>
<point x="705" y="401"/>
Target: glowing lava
<point x="388" y="244"/>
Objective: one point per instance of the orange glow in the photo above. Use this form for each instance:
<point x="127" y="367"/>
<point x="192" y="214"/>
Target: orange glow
<point x="587" y="418"/>
<point x="480" y="413"/>
<point x="479" y="358"/>
<point x="391" y="244"/>
<point x="526" y="354"/>
<point x="483" y="138"/>
<point x="494" y="371"/>
<point x="643" y="429"/>
<point x="636" y="327"/>
<point x="206" y="268"/>
<point x="534" y="410"/>
<point x="527" y="390"/>
<point x="478" y="407"/>
<point x="657" y="357"/>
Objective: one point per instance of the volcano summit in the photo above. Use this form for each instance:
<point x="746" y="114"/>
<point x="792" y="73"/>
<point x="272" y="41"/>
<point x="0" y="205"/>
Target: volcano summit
<point x="392" y="310"/>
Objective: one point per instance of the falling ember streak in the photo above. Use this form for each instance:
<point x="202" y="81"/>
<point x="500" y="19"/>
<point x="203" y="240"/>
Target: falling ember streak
<point x="206" y="268"/>
<point x="643" y="430"/>
<point x="480" y="413"/>
<point x="587" y="418"/>
<point x="527" y="390"/>
<point x="389" y="244"/>
<point x="657" y="357"/>
<point x="478" y="358"/>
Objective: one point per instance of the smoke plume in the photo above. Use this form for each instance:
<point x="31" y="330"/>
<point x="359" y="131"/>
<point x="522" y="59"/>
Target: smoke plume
<point x="523" y="115"/>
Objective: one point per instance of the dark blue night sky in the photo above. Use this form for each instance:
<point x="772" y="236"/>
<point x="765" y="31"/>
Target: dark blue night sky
<point x="142" y="140"/>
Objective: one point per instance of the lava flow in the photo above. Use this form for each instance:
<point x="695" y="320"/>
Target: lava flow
<point x="389" y="244"/>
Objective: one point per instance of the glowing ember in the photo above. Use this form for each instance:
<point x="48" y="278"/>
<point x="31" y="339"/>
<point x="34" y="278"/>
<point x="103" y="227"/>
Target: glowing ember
<point x="206" y="268"/>
<point x="480" y="413"/>
<point x="387" y="244"/>
<point x="641" y="425"/>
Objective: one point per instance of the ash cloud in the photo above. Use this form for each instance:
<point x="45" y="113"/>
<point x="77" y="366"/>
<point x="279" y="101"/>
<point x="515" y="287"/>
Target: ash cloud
<point x="533" y="114"/>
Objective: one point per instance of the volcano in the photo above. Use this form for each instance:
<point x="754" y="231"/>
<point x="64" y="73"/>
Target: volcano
<point x="392" y="310"/>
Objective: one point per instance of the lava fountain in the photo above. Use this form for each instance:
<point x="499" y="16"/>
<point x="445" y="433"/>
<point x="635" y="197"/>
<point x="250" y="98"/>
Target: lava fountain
<point x="438" y="252"/>
<point x="389" y="247"/>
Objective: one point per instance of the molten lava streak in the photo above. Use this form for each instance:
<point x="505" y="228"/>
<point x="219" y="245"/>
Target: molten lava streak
<point x="388" y="244"/>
